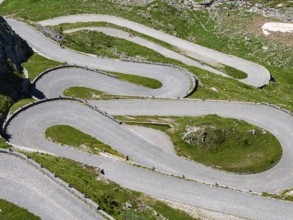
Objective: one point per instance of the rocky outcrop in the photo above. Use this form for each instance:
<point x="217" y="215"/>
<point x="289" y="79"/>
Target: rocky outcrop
<point x="13" y="49"/>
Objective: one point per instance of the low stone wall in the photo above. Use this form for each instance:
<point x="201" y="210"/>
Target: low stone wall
<point x="70" y="66"/>
<point x="57" y="180"/>
<point x="194" y="80"/>
<point x="23" y="108"/>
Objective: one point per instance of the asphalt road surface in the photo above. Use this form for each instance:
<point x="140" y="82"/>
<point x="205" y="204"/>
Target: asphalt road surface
<point x="28" y="127"/>
<point x="26" y="130"/>
<point x="180" y="81"/>
<point x="145" y="43"/>
<point x="258" y="76"/>
<point x="23" y="185"/>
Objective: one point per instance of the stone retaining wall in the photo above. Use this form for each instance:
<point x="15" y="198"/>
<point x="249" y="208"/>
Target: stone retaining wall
<point x="59" y="181"/>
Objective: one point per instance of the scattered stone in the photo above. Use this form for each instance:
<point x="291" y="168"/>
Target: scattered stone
<point x="51" y="33"/>
<point x="133" y="2"/>
<point x="265" y="48"/>
<point x="214" y="89"/>
<point x="253" y="131"/>
<point x="127" y="206"/>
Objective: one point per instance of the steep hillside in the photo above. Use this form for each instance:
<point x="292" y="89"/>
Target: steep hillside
<point x="13" y="51"/>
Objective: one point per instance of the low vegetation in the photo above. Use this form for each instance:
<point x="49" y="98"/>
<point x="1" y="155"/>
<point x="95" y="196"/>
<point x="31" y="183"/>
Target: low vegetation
<point x="286" y="195"/>
<point x="139" y="80"/>
<point x="4" y="144"/>
<point x="9" y="211"/>
<point x="70" y="136"/>
<point x="227" y="144"/>
<point x="222" y="88"/>
<point x="112" y="198"/>
<point x="19" y="104"/>
<point x="37" y="64"/>
<point x="5" y="102"/>
<point x="86" y="93"/>
<point x="214" y="30"/>
<point x="235" y="73"/>
<point x="100" y="44"/>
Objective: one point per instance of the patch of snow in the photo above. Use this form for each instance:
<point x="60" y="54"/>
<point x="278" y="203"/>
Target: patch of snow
<point x="277" y="27"/>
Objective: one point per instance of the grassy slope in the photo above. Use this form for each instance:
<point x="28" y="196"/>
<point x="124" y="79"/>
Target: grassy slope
<point x="5" y="102"/>
<point x="110" y="196"/>
<point x="92" y="94"/>
<point x="195" y="26"/>
<point x="229" y="88"/>
<point x="9" y="211"/>
<point x="19" y="104"/>
<point x="37" y="64"/>
<point x="228" y="143"/>
<point x="3" y="144"/>
<point x="67" y="135"/>
<point x="235" y="73"/>
<point x="139" y="80"/>
<point x="103" y="45"/>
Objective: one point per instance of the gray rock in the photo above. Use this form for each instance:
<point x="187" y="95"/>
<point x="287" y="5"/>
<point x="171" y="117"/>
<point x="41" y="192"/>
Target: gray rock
<point x="13" y="49"/>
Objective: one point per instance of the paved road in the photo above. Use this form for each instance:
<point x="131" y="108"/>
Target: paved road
<point x="28" y="131"/>
<point x="54" y="83"/>
<point x="258" y="76"/>
<point x="24" y="185"/>
<point x="155" y="47"/>
<point x="179" y="80"/>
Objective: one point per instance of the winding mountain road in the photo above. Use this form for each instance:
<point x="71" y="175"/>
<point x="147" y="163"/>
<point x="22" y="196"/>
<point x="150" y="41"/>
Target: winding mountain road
<point x="53" y="84"/>
<point x="257" y="75"/>
<point x="180" y="81"/>
<point x="145" y="43"/>
<point x="28" y="131"/>
<point x="27" y="128"/>
<point x="23" y="185"/>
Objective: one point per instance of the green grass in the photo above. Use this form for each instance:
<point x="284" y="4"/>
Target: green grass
<point x="5" y="102"/>
<point x="282" y="196"/>
<point x="19" y="104"/>
<point x="4" y="144"/>
<point x="170" y="214"/>
<point x="229" y="89"/>
<point x="139" y="80"/>
<point x="222" y="143"/>
<point x="274" y="3"/>
<point x="286" y="196"/>
<point x="68" y="135"/>
<point x="196" y="26"/>
<point x="235" y="73"/>
<point x="92" y="94"/>
<point x="110" y="196"/>
<point x="161" y="127"/>
<point x="37" y="64"/>
<point x="86" y="93"/>
<point x="9" y="211"/>
<point x="100" y="44"/>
